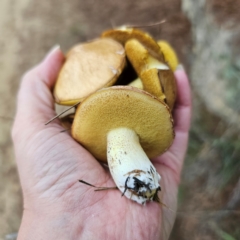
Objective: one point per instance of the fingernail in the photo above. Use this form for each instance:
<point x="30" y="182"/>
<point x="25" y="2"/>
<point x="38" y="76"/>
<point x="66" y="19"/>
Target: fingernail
<point x="53" y="50"/>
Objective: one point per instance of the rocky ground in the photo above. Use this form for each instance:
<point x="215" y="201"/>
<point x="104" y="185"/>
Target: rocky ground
<point x="206" y="37"/>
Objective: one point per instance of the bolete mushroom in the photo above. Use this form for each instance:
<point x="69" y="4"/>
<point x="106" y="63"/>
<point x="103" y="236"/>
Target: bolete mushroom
<point x="169" y="54"/>
<point x="89" y="67"/>
<point x="124" y="33"/>
<point x="126" y="126"/>
<point x="156" y="76"/>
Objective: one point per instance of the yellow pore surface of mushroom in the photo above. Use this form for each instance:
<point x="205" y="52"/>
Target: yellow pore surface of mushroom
<point x="169" y="53"/>
<point x="152" y="83"/>
<point x="157" y="78"/>
<point x="138" y="55"/>
<point x="123" y="107"/>
<point x="89" y="67"/>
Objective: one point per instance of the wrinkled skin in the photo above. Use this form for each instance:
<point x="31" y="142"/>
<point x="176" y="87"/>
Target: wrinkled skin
<point x="56" y="205"/>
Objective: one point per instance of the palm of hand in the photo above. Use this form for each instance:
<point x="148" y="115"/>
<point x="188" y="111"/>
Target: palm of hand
<point x="104" y="212"/>
<point x="54" y="162"/>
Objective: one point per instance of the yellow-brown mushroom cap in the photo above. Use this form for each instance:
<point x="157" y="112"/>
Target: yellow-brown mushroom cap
<point x="140" y="58"/>
<point x="89" y="67"/>
<point x="127" y="107"/>
<point x="123" y="34"/>
<point x="156" y="76"/>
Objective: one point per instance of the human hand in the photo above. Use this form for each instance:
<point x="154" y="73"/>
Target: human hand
<point x="56" y="205"/>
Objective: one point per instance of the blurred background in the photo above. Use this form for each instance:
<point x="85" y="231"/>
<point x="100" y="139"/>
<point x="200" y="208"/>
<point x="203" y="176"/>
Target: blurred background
<point x="206" y="36"/>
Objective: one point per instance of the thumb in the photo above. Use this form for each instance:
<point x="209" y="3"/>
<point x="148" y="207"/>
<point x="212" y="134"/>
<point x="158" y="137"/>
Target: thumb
<point x="35" y="104"/>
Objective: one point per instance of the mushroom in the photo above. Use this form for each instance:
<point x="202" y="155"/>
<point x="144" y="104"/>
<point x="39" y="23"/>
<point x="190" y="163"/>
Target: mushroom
<point x="124" y="33"/>
<point x="126" y="126"/>
<point x="156" y="76"/>
<point x="169" y="54"/>
<point x="136" y="83"/>
<point x="89" y="67"/>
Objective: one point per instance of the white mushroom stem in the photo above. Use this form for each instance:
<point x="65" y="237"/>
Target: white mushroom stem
<point x="132" y="171"/>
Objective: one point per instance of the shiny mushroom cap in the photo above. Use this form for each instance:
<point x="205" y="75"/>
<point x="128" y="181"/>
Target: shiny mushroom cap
<point x="124" y="33"/>
<point x="89" y="67"/>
